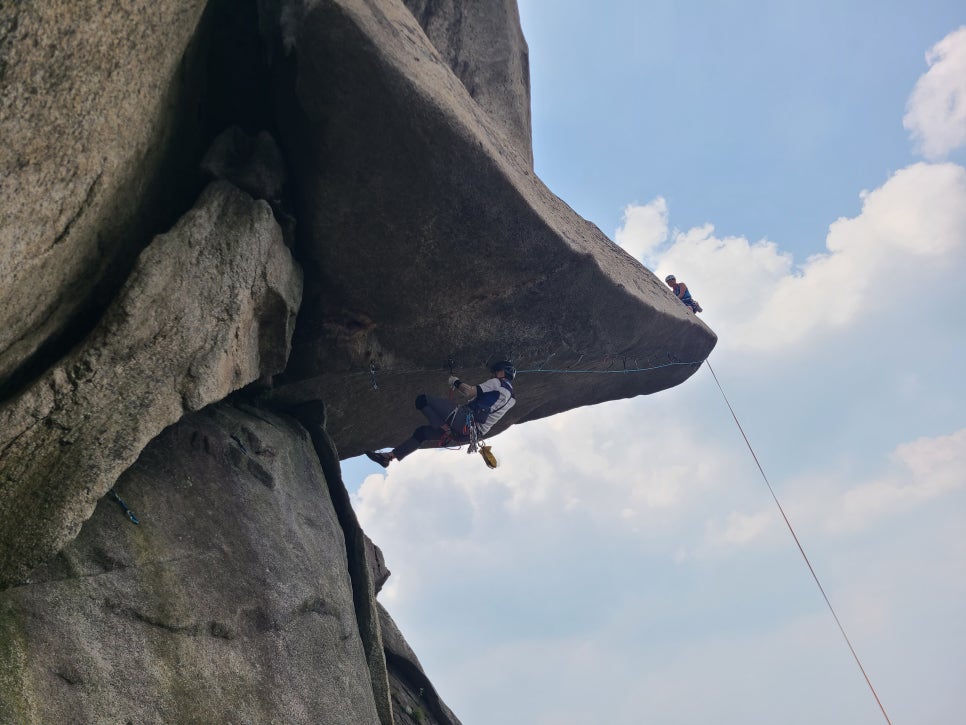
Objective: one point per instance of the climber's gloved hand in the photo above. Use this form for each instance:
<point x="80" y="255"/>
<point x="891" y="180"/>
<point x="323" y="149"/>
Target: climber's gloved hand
<point x="454" y="382"/>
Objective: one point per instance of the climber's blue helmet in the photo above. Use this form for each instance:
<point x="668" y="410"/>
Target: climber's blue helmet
<point x="506" y="366"/>
<point x="670" y="278"/>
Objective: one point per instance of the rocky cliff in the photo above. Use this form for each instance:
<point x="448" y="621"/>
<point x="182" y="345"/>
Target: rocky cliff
<point x="236" y="239"/>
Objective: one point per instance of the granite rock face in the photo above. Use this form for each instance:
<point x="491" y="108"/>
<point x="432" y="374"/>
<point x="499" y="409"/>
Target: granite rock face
<point x="209" y="309"/>
<point x="483" y="44"/>
<point x="427" y="238"/>
<point x="235" y="598"/>
<point x="158" y="336"/>
<point x="231" y="601"/>
<point x="92" y="107"/>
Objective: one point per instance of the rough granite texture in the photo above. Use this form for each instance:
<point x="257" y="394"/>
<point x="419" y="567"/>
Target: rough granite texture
<point x="426" y="236"/>
<point x="383" y="146"/>
<point x="483" y="44"/>
<point x="209" y="308"/>
<point x="230" y="602"/>
<point x="92" y="98"/>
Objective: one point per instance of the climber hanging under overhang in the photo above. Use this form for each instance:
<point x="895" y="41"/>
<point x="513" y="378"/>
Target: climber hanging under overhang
<point x="458" y="424"/>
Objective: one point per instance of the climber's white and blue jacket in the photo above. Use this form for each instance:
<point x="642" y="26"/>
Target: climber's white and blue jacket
<point x="493" y="399"/>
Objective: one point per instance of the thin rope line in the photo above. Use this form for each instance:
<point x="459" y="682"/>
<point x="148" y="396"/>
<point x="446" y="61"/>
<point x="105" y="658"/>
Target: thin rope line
<point x="800" y="548"/>
<point x="612" y="372"/>
<point x="413" y="371"/>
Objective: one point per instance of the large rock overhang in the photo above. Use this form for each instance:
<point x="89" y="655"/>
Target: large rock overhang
<point x="426" y="239"/>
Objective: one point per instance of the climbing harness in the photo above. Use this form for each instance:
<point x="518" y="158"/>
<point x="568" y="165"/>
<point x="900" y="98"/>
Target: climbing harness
<point x="130" y="514"/>
<point x="472" y="432"/>
<point x="801" y="549"/>
<point x="476" y="442"/>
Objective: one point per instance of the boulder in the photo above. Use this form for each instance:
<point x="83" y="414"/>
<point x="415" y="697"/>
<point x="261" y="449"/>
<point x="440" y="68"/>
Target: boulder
<point x="429" y="243"/>
<point x="377" y="565"/>
<point x="230" y="601"/>
<point x="252" y="163"/>
<point x="93" y="100"/>
<point x="209" y="308"/>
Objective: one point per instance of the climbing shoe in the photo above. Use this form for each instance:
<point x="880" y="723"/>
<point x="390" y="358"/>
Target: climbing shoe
<point x="381" y="458"/>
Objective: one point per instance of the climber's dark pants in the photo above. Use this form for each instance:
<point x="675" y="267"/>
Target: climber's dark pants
<point x="437" y="411"/>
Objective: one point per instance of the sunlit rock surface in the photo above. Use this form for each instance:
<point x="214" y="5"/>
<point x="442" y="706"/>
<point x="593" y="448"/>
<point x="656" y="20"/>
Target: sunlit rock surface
<point x="209" y="308"/>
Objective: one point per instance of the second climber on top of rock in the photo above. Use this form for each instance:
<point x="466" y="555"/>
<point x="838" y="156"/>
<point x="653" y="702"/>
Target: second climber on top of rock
<point x="682" y="292"/>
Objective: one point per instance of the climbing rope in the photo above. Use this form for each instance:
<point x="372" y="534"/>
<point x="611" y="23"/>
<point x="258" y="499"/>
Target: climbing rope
<point x="372" y="370"/>
<point x="614" y="372"/>
<point x="801" y="549"/>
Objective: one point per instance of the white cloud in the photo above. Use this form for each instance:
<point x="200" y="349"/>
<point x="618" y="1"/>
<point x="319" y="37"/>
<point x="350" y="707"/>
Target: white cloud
<point x="832" y="501"/>
<point x="907" y="244"/>
<point x="741" y="529"/>
<point x="643" y="228"/>
<point x="612" y="467"/>
<point x="732" y="277"/>
<point x="925" y="469"/>
<point x="936" y="110"/>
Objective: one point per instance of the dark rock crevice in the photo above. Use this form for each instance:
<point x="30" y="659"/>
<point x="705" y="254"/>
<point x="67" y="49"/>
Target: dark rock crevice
<point x="221" y="80"/>
<point x="312" y="417"/>
<point x="415" y="700"/>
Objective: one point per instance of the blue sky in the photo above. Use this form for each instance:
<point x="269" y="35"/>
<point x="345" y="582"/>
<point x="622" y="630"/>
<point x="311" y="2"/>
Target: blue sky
<point x="802" y="169"/>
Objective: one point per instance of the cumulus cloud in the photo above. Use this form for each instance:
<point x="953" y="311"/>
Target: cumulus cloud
<point x="910" y="235"/>
<point x="917" y="472"/>
<point x="925" y="469"/>
<point x="936" y="110"/>
<point x="643" y="228"/>
<point x="741" y="529"/>
<point x="611" y="467"/>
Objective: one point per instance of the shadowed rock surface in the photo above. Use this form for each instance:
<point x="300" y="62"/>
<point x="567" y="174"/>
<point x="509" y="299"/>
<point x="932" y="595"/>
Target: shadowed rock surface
<point x="389" y="143"/>
<point x="425" y="236"/>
